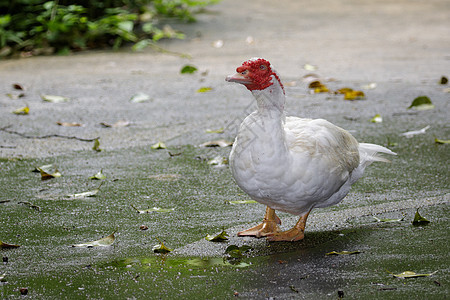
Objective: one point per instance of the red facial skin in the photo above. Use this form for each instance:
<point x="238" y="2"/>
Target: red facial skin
<point x="258" y="72"/>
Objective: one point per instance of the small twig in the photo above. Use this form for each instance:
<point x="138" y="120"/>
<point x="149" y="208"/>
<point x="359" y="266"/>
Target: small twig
<point x="5" y="129"/>
<point x="8" y="147"/>
<point x="29" y="204"/>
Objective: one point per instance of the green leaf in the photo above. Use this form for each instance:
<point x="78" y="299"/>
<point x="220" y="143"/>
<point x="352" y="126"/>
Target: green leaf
<point x="241" y="201"/>
<point x="161" y="248"/>
<point x="188" y="69"/>
<point x="158" y="145"/>
<point x="54" y="98"/>
<point x="204" y="89"/>
<point x="7" y="246"/>
<point x="22" y="111"/>
<point x="387" y="220"/>
<point x="98" y="176"/>
<point x="96" y="146"/>
<point x="377" y="119"/>
<point x="439" y="141"/>
<point x="343" y="252"/>
<point x="237" y="252"/>
<point x="411" y="274"/>
<point x="221" y="237"/>
<point x="421" y="103"/>
<point x="419" y="220"/>
<point x="103" y="242"/>
<point x="154" y="209"/>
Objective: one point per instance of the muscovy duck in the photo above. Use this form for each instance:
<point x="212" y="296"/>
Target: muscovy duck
<point x="291" y="164"/>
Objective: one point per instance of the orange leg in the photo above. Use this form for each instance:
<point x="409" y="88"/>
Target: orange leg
<point x="268" y="226"/>
<point x="291" y="235"/>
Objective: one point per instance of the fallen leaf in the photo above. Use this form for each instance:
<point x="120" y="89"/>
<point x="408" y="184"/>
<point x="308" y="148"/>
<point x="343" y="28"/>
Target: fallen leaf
<point x="69" y="124"/>
<point x="91" y="193"/>
<point x="96" y="146"/>
<point x="369" y="86"/>
<point x="188" y="69"/>
<point x="15" y="96"/>
<point x="439" y="141"/>
<point x="419" y="220"/>
<point x="18" y="86"/>
<point x="7" y="246"/>
<point x="103" y="242"/>
<point x="241" y="201"/>
<point x="237" y="252"/>
<point x="143" y="227"/>
<point x="344" y="90"/>
<point x="218" y="161"/>
<point x="220" y="130"/>
<point x="410" y="134"/>
<point x="221" y="237"/>
<point x="139" y="98"/>
<point x="218" y="143"/>
<point x="158" y="145"/>
<point x="204" y="89"/>
<point x="411" y="274"/>
<point x="2" y="277"/>
<point x="218" y="44"/>
<point x="376" y="119"/>
<point x="161" y="248"/>
<point x="47" y="172"/>
<point x="421" y="103"/>
<point x="354" y="95"/>
<point x="388" y="220"/>
<point x="309" y="67"/>
<point x="121" y="123"/>
<point x="343" y="252"/>
<point x="249" y="40"/>
<point x="154" y="209"/>
<point x="322" y="89"/>
<point x="22" y="111"/>
<point x="54" y="98"/>
<point x="98" y="176"/>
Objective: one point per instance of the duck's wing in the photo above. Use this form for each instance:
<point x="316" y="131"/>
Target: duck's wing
<point x="320" y="138"/>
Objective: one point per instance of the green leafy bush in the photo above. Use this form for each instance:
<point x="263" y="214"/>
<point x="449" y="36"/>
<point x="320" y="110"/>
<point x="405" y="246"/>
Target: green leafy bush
<point x="44" y="27"/>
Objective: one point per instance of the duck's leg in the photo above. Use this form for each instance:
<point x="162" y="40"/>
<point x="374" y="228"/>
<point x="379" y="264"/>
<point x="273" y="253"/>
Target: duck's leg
<point x="268" y="226"/>
<point x="291" y="235"/>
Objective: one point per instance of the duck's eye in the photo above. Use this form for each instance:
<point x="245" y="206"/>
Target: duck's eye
<point x="262" y="67"/>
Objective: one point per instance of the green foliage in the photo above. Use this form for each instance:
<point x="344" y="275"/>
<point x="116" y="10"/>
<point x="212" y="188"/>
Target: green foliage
<point x="43" y="27"/>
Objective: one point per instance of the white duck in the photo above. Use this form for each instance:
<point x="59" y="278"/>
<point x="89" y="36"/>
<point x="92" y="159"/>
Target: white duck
<point x="291" y="164"/>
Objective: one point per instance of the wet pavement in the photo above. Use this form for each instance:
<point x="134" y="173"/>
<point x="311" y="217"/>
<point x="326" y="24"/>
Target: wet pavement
<point x="401" y="47"/>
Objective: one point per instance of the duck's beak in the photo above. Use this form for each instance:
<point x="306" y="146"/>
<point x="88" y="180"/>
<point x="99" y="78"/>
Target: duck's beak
<point x="239" y="78"/>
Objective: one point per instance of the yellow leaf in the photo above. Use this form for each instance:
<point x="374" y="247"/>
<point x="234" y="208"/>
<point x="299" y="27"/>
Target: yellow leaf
<point x="354" y="95"/>
<point x="204" y="90"/>
<point x="22" y="111"/>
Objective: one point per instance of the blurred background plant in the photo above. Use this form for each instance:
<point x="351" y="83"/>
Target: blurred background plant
<point x="36" y="27"/>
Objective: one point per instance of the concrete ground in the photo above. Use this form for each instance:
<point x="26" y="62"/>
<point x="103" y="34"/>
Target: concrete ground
<point x="402" y="48"/>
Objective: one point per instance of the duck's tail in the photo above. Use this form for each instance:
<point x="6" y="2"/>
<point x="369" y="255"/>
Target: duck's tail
<point x="369" y="153"/>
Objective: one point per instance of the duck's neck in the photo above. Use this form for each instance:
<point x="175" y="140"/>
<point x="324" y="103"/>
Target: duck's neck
<point x="270" y="118"/>
<point x="271" y="101"/>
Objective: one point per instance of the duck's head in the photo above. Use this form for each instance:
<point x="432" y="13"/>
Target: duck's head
<point x="255" y="74"/>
